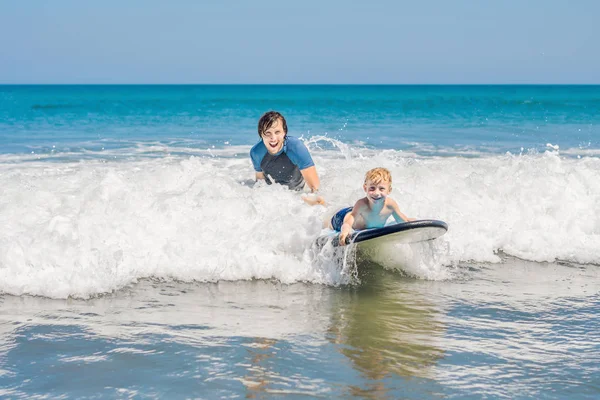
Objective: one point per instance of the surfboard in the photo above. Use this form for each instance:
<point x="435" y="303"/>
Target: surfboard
<point x="406" y="232"/>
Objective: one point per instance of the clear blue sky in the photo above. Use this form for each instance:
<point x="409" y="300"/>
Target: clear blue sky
<point x="305" y="41"/>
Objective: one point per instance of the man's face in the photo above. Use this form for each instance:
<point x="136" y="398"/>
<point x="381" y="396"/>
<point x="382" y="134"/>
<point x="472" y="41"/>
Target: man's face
<point x="273" y="137"/>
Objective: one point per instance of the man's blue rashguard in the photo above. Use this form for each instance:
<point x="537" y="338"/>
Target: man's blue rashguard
<point x="284" y="167"/>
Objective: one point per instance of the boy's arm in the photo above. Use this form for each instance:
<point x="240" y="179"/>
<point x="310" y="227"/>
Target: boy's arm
<point x="349" y="223"/>
<point x="398" y="215"/>
<point x="260" y="175"/>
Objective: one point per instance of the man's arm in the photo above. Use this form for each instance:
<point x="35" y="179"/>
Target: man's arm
<point x="311" y="178"/>
<point x="313" y="200"/>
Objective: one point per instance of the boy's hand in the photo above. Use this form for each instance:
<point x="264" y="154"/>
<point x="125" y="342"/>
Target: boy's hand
<point x="343" y="236"/>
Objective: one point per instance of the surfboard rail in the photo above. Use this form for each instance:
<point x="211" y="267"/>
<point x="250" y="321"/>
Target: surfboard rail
<point x="416" y="231"/>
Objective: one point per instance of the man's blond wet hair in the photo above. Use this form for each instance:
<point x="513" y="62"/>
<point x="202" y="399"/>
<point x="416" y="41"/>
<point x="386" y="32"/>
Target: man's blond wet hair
<point x="378" y="175"/>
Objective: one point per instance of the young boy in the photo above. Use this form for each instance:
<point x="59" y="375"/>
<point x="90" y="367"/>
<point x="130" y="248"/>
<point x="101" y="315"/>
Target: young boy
<point x="373" y="210"/>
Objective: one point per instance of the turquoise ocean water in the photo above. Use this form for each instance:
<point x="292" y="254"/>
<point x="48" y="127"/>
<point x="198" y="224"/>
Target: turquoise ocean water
<point x="139" y="259"/>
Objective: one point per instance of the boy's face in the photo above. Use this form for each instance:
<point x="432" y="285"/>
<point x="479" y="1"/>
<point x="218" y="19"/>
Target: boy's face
<point x="376" y="191"/>
<point x="273" y="137"/>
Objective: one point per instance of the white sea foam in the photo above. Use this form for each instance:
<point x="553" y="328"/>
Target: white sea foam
<point x="94" y="226"/>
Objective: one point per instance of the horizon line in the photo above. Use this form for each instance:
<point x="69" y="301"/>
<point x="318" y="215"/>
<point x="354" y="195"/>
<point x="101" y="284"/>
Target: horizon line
<point x="299" y="84"/>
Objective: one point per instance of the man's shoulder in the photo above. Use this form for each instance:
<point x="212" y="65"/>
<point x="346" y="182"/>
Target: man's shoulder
<point x="298" y="153"/>
<point x="259" y="149"/>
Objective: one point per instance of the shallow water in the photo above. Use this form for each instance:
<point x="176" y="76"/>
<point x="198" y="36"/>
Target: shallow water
<point x="511" y="330"/>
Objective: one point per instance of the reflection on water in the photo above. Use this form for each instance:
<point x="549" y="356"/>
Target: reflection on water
<point x="386" y="329"/>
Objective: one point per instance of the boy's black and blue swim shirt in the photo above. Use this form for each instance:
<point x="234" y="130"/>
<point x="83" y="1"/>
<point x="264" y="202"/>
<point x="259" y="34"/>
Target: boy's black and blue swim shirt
<point x="284" y="167"/>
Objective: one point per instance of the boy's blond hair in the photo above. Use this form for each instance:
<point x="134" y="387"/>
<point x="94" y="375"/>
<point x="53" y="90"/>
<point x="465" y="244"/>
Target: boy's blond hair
<point x="377" y="175"/>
